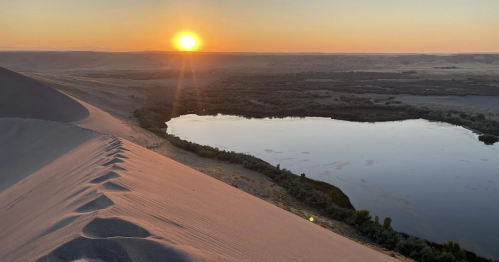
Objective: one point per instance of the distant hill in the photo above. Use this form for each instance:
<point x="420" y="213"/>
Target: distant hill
<point x="72" y="61"/>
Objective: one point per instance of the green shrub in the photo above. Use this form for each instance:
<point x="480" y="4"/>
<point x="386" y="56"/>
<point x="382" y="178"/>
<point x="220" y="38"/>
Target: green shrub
<point x="446" y="257"/>
<point x="387" y="224"/>
<point x="334" y="197"/>
<point x="454" y="248"/>
<point x="360" y="217"/>
<point x="303" y="178"/>
<point x="488" y="139"/>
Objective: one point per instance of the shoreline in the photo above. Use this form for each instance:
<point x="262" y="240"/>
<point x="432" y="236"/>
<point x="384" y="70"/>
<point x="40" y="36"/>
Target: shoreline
<point x="336" y="214"/>
<point x="349" y="114"/>
<point x="430" y="120"/>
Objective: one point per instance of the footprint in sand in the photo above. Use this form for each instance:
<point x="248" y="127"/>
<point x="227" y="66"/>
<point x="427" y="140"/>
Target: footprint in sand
<point x="105" y="177"/>
<point x="117" y="153"/>
<point x="113" y="227"/>
<point x="114" y="187"/>
<point x="113" y="146"/>
<point x="116" y="167"/>
<point x="117" y="249"/>
<point x="114" y="240"/>
<point x="114" y="161"/>
<point x="99" y="203"/>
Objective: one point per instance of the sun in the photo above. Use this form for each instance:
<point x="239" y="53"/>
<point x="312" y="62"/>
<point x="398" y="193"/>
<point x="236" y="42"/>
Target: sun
<point x="187" y="41"/>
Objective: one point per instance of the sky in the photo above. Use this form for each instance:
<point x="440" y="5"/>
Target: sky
<point x="329" y="26"/>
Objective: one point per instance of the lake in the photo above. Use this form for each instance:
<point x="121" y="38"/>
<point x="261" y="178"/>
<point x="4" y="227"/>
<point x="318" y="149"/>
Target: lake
<point x="435" y="180"/>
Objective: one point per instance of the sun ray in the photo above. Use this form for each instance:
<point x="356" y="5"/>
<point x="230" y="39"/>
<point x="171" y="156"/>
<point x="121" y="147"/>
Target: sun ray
<point x="196" y="87"/>
<point x="178" y="91"/>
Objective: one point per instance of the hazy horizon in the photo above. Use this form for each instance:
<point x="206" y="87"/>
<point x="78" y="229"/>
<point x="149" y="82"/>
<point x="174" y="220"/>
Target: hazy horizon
<point x="106" y="50"/>
<point x="318" y="26"/>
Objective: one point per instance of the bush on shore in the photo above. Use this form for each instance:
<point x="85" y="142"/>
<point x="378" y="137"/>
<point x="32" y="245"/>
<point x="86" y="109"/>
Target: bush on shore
<point x="488" y="139"/>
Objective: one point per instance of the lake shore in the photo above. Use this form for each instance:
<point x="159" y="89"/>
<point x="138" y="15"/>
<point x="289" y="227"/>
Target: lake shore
<point x="227" y="133"/>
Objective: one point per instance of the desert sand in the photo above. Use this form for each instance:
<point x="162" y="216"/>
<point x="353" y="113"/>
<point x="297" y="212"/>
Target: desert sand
<point x="84" y="191"/>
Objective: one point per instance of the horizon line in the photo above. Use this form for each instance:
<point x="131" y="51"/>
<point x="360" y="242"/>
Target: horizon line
<point x="54" y="50"/>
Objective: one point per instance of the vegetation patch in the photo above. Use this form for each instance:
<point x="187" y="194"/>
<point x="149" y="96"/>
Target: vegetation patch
<point x="488" y="139"/>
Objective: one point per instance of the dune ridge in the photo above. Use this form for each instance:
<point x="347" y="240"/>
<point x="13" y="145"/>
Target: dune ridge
<point x="68" y="193"/>
<point x="164" y="212"/>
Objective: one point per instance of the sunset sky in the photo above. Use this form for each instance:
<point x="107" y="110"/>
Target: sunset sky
<point x="371" y="26"/>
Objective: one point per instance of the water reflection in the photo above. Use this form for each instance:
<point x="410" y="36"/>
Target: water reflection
<point x="435" y="180"/>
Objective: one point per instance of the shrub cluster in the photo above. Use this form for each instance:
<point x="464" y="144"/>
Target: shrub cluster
<point x="299" y="186"/>
<point x="488" y="139"/>
<point x="409" y="246"/>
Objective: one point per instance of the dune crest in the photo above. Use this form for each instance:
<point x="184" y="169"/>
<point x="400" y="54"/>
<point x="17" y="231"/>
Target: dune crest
<point x="68" y="193"/>
<point x="72" y="210"/>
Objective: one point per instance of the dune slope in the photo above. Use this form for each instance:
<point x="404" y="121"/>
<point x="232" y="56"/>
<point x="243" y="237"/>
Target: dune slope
<point x="27" y="145"/>
<point x="27" y="98"/>
<point x="108" y="199"/>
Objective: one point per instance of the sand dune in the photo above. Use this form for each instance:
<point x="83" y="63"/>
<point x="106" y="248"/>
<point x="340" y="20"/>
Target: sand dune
<point x="68" y="193"/>
<point x="21" y="96"/>
<point x="27" y="145"/>
<point x="111" y="200"/>
<point x="105" y="123"/>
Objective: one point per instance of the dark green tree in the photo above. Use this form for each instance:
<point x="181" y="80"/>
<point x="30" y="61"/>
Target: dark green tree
<point x="387" y="223"/>
<point x="446" y="257"/>
<point x="454" y="248"/>
<point x="335" y="197"/>
<point x="360" y="217"/>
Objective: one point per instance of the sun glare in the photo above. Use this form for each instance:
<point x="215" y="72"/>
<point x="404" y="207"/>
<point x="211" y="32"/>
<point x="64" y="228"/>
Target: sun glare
<point x="187" y="41"/>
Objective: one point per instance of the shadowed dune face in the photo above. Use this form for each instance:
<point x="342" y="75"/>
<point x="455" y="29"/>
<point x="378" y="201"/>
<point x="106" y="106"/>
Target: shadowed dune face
<point x="27" y="98"/>
<point x="99" y="203"/>
<point x="27" y="145"/>
<point x="114" y="187"/>
<point x="105" y="177"/>
<point x="113" y="227"/>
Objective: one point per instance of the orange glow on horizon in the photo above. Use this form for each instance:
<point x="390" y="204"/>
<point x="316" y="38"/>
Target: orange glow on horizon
<point x="361" y="26"/>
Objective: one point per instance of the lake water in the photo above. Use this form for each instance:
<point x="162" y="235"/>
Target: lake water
<point x="435" y="180"/>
